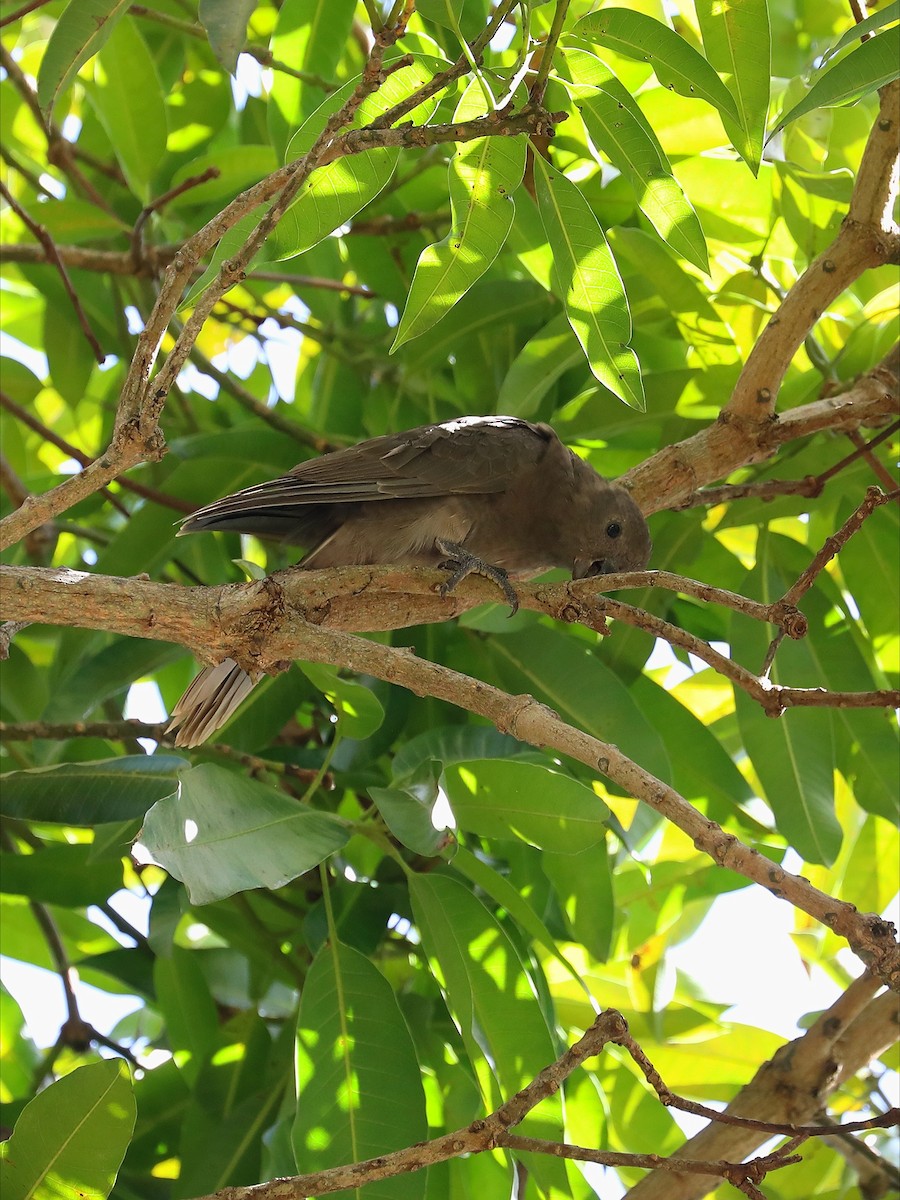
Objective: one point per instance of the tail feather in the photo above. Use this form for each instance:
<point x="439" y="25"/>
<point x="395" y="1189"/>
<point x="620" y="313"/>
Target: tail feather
<point x="210" y="701"/>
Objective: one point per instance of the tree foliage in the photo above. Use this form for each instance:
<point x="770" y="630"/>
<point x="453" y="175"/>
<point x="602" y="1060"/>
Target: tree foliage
<point x="235" y="235"/>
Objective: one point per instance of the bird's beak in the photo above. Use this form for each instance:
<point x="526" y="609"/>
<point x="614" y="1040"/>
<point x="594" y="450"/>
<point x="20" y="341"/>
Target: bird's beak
<point x="581" y="568"/>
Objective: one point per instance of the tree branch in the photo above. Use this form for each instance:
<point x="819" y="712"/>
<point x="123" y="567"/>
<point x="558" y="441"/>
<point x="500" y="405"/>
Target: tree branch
<point x="264" y="624"/>
<point x="677" y="471"/>
<point x="493" y="1130"/>
<point x="794" y="1085"/>
<point x="867" y="238"/>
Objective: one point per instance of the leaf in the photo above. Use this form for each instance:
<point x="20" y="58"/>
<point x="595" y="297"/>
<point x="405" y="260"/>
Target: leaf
<point x="72" y="1137"/>
<point x="676" y="63"/>
<point x="407" y="809"/>
<point x="127" y="95"/>
<point x="452" y="743"/>
<point x="60" y="875"/>
<point x="619" y="128"/>
<point x="884" y="16"/>
<point x="337" y="191"/>
<point x="223" y="834"/>
<point x="115" y="789"/>
<point x="78" y="34"/>
<point x="359" y="1090"/>
<point x="483" y="175"/>
<point x="542" y="360"/>
<point x="566" y="674"/>
<point x="225" y="22"/>
<point x="183" y="997"/>
<point x="868" y="67"/>
<point x="228" y="246"/>
<point x="239" y="167"/>
<point x="310" y="36"/>
<point x="358" y="709"/>
<point x="793" y="755"/>
<point x="521" y="799"/>
<point x="584" y="888"/>
<point x="737" y="42"/>
<point x="488" y="993"/>
<point x="506" y="896"/>
<point x="69" y="357"/>
<point x="587" y="279"/>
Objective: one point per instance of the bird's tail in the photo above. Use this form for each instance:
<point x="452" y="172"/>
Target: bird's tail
<point x="210" y="701"/>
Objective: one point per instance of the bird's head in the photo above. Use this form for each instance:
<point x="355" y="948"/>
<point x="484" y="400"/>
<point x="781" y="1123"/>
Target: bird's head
<point x="617" y="537"/>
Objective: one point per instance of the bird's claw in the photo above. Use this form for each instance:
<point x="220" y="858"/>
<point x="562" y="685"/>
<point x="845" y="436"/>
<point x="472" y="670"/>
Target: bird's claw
<point x="462" y="563"/>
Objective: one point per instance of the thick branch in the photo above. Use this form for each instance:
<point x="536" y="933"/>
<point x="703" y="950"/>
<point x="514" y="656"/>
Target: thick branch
<point x="793" y="1086"/>
<point x="867" y="238"/>
<point x="264" y="624"/>
<point x="677" y="471"/>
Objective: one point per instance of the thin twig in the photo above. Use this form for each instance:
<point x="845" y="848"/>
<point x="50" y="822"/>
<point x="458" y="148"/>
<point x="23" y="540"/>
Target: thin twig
<point x="85" y="461"/>
<point x="8" y="631"/>
<point x="160" y="202"/>
<point x="539" y="86"/>
<point x="811" y="485"/>
<point x="12" y="17"/>
<point x="39" y="232"/>
<point x="864" y="449"/>
<point x="247" y="400"/>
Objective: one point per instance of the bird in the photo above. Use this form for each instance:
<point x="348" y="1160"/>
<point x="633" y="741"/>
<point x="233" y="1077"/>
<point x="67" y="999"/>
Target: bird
<point x="496" y="495"/>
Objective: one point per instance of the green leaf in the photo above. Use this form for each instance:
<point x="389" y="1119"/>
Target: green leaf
<point x="521" y="799"/>
<point x="114" y="789"/>
<point x="868" y="67"/>
<point x="504" y="894"/>
<point x="128" y="98"/>
<point x="359" y="1090"/>
<point x="737" y="42"/>
<point x="884" y="16"/>
<point x="793" y="755"/>
<point x="566" y="674"/>
<point x="18" y="1054"/>
<point x="358" y="709"/>
<point x="452" y="743"/>
<point x="407" y="807"/>
<point x="72" y="1137"/>
<point x="477" y="964"/>
<point x="337" y="191"/>
<point x="69" y="357"/>
<point x="483" y="175"/>
<point x="587" y="279"/>
<point x="79" y="33"/>
<point x="542" y="360"/>
<point x="225" y="22"/>
<point x="676" y="63"/>
<point x="184" y="999"/>
<point x="584" y="887"/>
<point x="60" y="875"/>
<point x="227" y="247"/>
<point x="702" y="769"/>
<point x="223" y="834"/>
<point x="310" y="36"/>
<point x="489" y="994"/>
<point x="239" y="167"/>
<point x="619" y="128"/>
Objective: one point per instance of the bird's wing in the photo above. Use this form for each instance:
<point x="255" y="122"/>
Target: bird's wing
<point x="467" y="456"/>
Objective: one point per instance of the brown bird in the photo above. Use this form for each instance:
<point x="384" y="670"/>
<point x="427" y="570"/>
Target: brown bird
<point x="495" y="495"/>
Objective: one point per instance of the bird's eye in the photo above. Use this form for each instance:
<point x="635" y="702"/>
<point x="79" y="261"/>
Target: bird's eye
<point x="613" y="529"/>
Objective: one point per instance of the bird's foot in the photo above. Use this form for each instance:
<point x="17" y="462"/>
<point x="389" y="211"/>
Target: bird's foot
<point x="462" y="563"/>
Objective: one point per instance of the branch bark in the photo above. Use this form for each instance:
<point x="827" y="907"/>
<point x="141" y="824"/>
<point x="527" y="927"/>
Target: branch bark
<point x="867" y="238"/>
<point x="793" y="1086"/>
<point x="263" y="625"/>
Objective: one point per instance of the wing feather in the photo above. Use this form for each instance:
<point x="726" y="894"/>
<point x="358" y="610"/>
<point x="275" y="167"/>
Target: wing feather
<point x="471" y="455"/>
